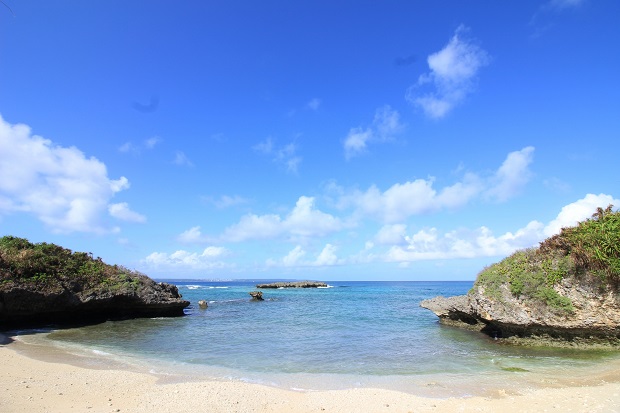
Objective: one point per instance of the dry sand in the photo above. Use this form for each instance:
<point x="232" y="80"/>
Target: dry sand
<point x="36" y="385"/>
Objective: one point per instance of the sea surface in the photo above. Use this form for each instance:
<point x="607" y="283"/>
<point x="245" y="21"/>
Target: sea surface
<point x="351" y="334"/>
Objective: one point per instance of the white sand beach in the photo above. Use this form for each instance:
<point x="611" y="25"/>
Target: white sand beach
<point x="34" y="385"/>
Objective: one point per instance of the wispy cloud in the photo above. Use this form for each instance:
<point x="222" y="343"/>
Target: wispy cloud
<point x="182" y="160"/>
<point x="63" y="188"/>
<point x="226" y="201"/>
<point x="385" y="125"/>
<point x="284" y="155"/>
<point x="130" y="147"/>
<point x="453" y="72"/>
<point x="314" y="104"/>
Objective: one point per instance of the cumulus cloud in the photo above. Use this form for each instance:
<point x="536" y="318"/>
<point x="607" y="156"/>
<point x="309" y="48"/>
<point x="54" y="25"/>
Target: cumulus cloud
<point x="420" y="196"/>
<point x="209" y="258"/>
<point x="512" y="175"/>
<point x="453" y="72"/>
<point x="295" y="258"/>
<point x="192" y="236"/>
<point x="304" y="220"/>
<point x="60" y="186"/>
<point x="578" y="211"/>
<point x="430" y="244"/>
<point x="385" y="125"/>
<point x="123" y="212"/>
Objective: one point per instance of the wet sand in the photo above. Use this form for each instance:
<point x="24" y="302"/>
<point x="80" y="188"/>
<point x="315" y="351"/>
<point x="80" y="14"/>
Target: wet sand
<point x="47" y="383"/>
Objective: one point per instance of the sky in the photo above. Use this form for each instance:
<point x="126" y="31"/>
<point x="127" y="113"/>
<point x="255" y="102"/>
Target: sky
<point x="328" y="140"/>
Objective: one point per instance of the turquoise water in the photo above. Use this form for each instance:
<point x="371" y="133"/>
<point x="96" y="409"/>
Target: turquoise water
<point x="349" y="335"/>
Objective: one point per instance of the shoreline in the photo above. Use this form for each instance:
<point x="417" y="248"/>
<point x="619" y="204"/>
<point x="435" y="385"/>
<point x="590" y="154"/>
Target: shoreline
<point x="49" y="383"/>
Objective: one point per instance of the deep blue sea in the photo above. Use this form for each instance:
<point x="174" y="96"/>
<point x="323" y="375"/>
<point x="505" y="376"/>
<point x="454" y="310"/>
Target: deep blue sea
<point x="352" y="334"/>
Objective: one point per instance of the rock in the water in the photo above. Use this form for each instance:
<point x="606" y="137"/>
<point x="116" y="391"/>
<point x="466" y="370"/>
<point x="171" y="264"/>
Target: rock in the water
<point x="202" y="304"/>
<point x="295" y="284"/>
<point x="257" y="295"/>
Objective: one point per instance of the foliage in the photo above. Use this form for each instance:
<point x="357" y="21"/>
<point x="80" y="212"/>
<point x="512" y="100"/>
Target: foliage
<point x="592" y="246"/>
<point x="48" y="264"/>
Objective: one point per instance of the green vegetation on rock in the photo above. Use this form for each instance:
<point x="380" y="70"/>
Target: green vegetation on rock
<point x="590" y="248"/>
<point x="48" y="265"/>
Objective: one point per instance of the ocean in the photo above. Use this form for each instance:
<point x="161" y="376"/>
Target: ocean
<point x="351" y="334"/>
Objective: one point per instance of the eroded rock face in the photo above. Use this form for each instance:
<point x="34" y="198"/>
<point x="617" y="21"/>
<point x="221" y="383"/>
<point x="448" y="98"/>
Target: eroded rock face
<point x="33" y="304"/>
<point x="595" y="318"/>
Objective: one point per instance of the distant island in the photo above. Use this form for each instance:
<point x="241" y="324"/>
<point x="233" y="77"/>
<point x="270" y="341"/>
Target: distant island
<point x="45" y="283"/>
<point x="295" y="284"/>
<point x="566" y="292"/>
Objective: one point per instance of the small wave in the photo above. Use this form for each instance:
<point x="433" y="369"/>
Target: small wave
<point x="215" y="288"/>
<point x="193" y="287"/>
<point x="328" y="286"/>
<point x="101" y="353"/>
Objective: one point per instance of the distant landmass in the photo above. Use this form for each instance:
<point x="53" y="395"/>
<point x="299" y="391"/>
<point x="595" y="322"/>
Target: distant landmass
<point x="294" y="284"/>
<point x="566" y="292"/>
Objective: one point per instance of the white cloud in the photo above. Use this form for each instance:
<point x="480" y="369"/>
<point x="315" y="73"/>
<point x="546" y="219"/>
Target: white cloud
<point x="392" y="234"/>
<point x="192" y="236"/>
<point x="327" y="256"/>
<point x="512" y="176"/>
<point x="385" y="125"/>
<point x="294" y="258"/>
<point x="60" y="186"/>
<point x="429" y="244"/>
<point x="403" y="200"/>
<point x="285" y="155"/>
<point x="304" y="220"/>
<point x="123" y="212"/>
<point x="579" y="211"/>
<point x="453" y="71"/>
<point x="356" y="141"/>
<point x="209" y="258"/>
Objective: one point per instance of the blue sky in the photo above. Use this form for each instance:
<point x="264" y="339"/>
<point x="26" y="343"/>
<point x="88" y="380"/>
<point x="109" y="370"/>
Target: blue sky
<point x="332" y="140"/>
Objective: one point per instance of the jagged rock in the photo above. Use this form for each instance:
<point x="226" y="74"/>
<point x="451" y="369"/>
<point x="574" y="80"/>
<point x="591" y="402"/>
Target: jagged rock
<point x="32" y="304"/>
<point x="594" y="321"/>
<point x="296" y="284"/>
<point x="257" y="295"/>
<point x="202" y="304"/>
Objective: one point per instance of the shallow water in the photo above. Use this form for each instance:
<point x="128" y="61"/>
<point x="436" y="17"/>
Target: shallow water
<point x="355" y="334"/>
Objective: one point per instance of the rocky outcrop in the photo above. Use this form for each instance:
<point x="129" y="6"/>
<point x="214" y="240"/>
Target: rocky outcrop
<point x="296" y="284"/>
<point x="257" y="295"/>
<point x="24" y="303"/>
<point x="594" y="319"/>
